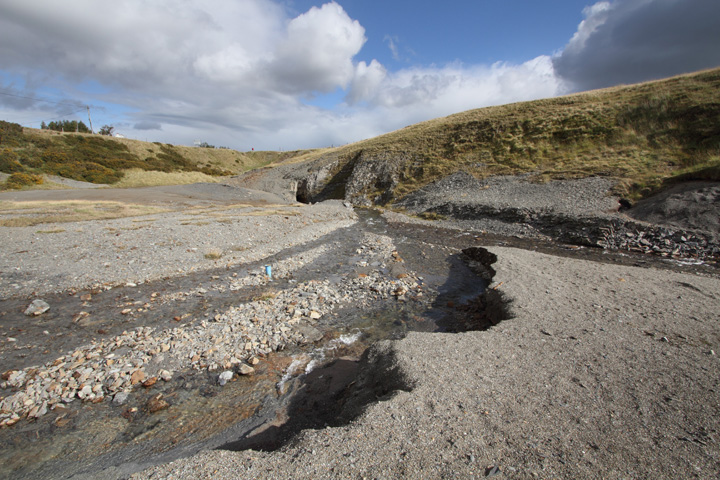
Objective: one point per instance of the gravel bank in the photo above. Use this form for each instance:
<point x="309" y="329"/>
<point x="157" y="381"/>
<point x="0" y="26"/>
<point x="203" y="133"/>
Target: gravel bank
<point x="112" y="367"/>
<point x="601" y="371"/>
<point x="680" y="223"/>
<point x="576" y="197"/>
<point x="54" y="257"/>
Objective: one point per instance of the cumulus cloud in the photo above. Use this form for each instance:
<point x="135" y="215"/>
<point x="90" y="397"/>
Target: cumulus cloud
<point x="318" y="51"/>
<point x="239" y="72"/>
<point x="454" y="87"/>
<point x="627" y="41"/>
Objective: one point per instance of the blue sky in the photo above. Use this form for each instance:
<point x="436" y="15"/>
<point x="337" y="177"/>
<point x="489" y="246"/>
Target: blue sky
<point x="286" y="74"/>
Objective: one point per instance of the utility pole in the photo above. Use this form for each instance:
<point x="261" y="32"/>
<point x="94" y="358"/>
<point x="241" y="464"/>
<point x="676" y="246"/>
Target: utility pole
<point x="89" y="119"/>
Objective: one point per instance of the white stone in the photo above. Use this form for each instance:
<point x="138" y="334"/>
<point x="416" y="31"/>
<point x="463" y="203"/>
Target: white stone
<point x="225" y="377"/>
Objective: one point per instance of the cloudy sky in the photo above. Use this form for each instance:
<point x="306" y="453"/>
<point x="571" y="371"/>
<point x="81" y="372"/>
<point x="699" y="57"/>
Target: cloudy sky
<point x="286" y="74"/>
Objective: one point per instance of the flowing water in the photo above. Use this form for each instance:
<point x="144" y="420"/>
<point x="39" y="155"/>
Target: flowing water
<point x="104" y="440"/>
<point x="107" y="440"/>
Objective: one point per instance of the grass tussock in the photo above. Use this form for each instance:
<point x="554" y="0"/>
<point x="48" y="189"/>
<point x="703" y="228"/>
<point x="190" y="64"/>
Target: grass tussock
<point x="214" y="254"/>
<point x="26" y="214"/>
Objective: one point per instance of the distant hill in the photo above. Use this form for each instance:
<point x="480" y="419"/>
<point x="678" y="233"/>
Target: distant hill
<point x="105" y="159"/>
<point x="644" y="136"/>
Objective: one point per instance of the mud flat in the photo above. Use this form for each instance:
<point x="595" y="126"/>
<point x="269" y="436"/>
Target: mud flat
<point x="593" y="371"/>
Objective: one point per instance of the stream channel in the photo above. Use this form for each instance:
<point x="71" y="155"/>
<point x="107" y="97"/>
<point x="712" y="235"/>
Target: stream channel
<point x="302" y="386"/>
<point x="296" y="388"/>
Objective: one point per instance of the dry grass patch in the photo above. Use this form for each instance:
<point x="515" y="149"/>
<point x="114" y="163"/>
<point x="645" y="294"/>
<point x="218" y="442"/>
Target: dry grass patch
<point x="214" y="254"/>
<point x="197" y="224"/>
<point x="268" y="212"/>
<point x="26" y="214"/>
<point x="142" y="178"/>
<point x="56" y="230"/>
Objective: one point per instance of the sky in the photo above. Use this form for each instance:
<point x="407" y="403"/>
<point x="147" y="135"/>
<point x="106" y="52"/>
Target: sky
<point x="292" y="74"/>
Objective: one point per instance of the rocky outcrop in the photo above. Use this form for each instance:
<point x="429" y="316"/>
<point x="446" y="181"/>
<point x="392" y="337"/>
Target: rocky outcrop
<point x="374" y="178"/>
<point x="364" y="179"/>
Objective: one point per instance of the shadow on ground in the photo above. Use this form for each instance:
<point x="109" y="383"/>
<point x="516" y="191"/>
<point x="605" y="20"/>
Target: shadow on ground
<point x="339" y="392"/>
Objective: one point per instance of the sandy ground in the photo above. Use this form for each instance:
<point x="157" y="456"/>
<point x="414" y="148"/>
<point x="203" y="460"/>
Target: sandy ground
<point x="596" y="371"/>
<point x="601" y="371"/>
<point x="177" y="196"/>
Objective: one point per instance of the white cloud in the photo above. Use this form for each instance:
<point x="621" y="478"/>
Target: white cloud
<point x="368" y="79"/>
<point x="454" y="88"/>
<point x="318" y="51"/>
<point x="236" y="72"/>
<point x="392" y="45"/>
<point x="627" y="41"/>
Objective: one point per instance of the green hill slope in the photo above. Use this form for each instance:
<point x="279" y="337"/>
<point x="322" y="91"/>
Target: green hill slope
<point x="102" y="159"/>
<point x="643" y="135"/>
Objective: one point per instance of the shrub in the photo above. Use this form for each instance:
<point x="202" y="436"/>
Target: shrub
<point x="85" y="172"/>
<point x="20" y="180"/>
<point x="8" y="162"/>
<point x="54" y="156"/>
<point x="10" y="133"/>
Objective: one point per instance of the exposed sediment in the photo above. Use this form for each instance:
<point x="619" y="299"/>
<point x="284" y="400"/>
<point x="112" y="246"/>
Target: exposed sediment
<point x="599" y="371"/>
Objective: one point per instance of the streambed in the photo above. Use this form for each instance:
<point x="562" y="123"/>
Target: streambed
<point x="292" y="388"/>
<point x="386" y="283"/>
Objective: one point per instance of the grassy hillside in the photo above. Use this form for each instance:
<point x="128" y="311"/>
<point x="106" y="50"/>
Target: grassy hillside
<point x="100" y="159"/>
<point x="644" y="135"/>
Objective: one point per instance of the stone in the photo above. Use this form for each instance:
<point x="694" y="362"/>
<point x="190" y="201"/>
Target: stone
<point x="156" y="403"/>
<point x="150" y="382"/>
<point x="78" y="317"/>
<point x="137" y="377"/>
<point x="37" y="307"/>
<point x="225" y="377"/>
<point x="315" y="315"/>
<point x="84" y="392"/>
<point x="165" y="375"/>
<point x="245" y="369"/>
<point x="120" y="398"/>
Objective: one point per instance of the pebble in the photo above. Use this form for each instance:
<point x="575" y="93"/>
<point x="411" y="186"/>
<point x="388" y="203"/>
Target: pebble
<point x="37" y="307"/>
<point x="235" y="338"/>
<point x="225" y="377"/>
<point x="120" y="398"/>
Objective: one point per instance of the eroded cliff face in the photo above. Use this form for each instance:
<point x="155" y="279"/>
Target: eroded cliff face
<point x="364" y="179"/>
<point x="374" y="178"/>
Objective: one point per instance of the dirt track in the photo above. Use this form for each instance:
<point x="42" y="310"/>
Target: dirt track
<point x="175" y="196"/>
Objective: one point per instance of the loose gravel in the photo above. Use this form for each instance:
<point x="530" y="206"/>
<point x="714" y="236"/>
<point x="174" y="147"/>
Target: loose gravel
<point x="600" y="371"/>
<point x="55" y="257"/>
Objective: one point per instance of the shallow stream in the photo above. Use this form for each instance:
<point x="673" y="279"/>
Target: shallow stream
<point x="290" y="390"/>
<point x="105" y="440"/>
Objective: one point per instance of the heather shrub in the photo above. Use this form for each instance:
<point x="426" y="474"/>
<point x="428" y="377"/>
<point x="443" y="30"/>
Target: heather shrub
<point x="20" y="180"/>
<point x="9" y="162"/>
